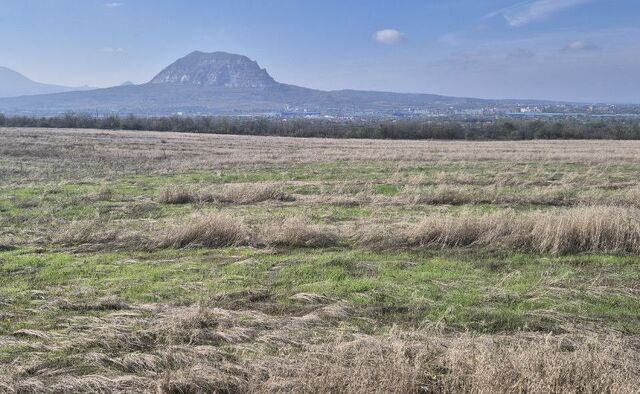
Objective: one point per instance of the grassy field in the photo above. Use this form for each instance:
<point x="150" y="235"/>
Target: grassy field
<point x="186" y="263"/>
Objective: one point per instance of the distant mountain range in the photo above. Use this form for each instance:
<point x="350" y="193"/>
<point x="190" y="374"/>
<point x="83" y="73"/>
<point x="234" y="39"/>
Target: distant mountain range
<point x="221" y="83"/>
<point x="14" y="84"/>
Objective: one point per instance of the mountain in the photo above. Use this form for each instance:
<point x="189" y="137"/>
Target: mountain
<point x="219" y="69"/>
<point x="14" y="84"/>
<point x="221" y="83"/>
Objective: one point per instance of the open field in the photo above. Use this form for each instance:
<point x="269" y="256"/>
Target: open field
<point x="187" y="263"/>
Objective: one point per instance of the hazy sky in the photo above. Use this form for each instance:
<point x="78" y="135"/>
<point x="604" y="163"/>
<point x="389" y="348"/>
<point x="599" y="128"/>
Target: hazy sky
<point x="586" y="50"/>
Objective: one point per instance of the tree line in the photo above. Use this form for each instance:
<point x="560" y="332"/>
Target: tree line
<point x="472" y="129"/>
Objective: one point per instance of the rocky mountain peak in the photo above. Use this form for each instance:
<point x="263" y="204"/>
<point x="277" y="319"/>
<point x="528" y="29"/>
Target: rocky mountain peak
<point x="215" y="69"/>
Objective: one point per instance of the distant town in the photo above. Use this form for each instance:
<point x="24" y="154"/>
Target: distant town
<point x="505" y="111"/>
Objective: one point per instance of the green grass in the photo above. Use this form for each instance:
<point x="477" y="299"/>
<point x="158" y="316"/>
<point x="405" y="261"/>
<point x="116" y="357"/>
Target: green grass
<point x="387" y="189"/>
<point x="464" y="291"/>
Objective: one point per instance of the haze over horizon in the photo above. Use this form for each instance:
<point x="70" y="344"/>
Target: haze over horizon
<point x="571" y="50"/>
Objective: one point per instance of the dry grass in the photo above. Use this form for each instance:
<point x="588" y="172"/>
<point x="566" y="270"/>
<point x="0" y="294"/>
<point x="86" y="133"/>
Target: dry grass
<point x="296" y="231"/>
<point x="122" y="152"/>
<point x="178" y="194"/>
<point x="587" y="229"/>
<point x="201" y="379"/>
<point x="176" y="352"/>
<point x="562" y="231"/>
<point x="230" y="194"/>
<point x="459" y="195"/>
<point x="383" y="236"/>
<point x="80" y="232"/>
<point x="209" y="230"/>
<point x="559" y="231"/>
<point x="252" y="193"/>
<point x="98" y="234"/>
<point x="439" y="231"/>
<point x="442" y="194"/>
<point x="410" y="363"/>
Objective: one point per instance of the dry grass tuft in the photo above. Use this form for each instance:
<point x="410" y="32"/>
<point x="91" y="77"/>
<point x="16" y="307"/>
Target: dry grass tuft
<point x="177" y="194"/>
<point x="296" y="231"/>
<point x="587" y="229"/>
<point x="230" y="194"/>
<point x="467" y="229"/>
<point x="79" y="232"/>
<point x="94" y="234"/>
<point x="208" y="230"/>
<point x="574" y="230"/>
<point x="382" y="236"/>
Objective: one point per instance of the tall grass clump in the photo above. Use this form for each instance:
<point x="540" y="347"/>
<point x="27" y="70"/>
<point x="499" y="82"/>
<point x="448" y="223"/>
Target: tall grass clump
<point x="178" y="194"/>
<point x="208" y="230"/>
<point x="467" y="229"/>
<point x="382" y="237"/>
<point x="229" y="194"/>
<point x="101" y="234"/>
<point x="297" y="231"/>
<point x="79" y="232"/>
<point x="558" y="232"/>
<point x="587" y="229"/>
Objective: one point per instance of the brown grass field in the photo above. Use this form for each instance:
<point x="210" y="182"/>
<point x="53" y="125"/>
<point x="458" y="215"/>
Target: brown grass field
<point x="195" y="263"/>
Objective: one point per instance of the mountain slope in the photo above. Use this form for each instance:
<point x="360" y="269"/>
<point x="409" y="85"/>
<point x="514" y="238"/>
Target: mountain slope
<point x="221" y="83"/>
<point x="14" y="84"/>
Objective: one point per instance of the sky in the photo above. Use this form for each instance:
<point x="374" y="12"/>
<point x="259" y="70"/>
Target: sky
<point x="573" y="50"/>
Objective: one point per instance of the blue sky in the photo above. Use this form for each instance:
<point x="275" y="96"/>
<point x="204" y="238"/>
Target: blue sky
<point x="586" y="50"/>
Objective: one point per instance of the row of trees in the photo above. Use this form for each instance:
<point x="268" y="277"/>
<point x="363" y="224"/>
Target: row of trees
<point x="383" y="129"/>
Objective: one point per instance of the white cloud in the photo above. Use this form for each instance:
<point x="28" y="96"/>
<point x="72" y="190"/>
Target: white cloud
<point x="524" y="13"/>
<point x="112" y="49"/>
<point x="389" y="37"/>
<point x="114" y="4"/>
<point x="580" y="46"/>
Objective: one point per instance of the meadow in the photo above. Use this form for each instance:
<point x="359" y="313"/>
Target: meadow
<point x="196" y="263"/>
